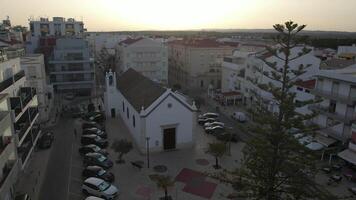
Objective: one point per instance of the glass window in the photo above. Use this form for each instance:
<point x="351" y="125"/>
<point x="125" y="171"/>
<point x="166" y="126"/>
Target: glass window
<point x="127" y="112"/>
<point x="133" y="121"/>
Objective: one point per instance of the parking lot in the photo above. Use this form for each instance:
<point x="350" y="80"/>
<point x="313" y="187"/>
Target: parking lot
<point x="128" y="179"/>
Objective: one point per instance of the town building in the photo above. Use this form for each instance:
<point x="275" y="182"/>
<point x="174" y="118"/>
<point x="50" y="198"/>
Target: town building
<point x="34" y="67"/>
<point x="337" y="109"/>
<point x="144" y="55"/>
<point x="9" y="164"/>
<point x="19" y="127"/>
<point x="246" y="72"/>
<point x="195" y="64"/>
<point x="347" y="52"/>
<point x="71" y="67"/>
<point x="349" y="154"/>
<point x="43" y="33"/>
<point x="157" y="117"/>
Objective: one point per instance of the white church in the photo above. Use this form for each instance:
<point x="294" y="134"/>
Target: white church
<point x="155" y="115"/>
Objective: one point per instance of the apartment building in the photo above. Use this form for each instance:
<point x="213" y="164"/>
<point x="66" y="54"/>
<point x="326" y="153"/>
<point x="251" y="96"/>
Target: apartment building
<point x="195" y="64"/>
<point x="19" y="113"/>
<point x="246" y="72"/>
<point x="9" y="164"/>
<point x="43" y="28"/>
<point x="34" y="67"/>
<point x="337" y="110"/>
<point x="71" y="67"/>
<point x="146" y="56"/>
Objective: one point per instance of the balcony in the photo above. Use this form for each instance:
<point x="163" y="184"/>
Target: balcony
<point x="9" y="81"/>
<point x="25" y="148"/>
<point x="21" y="102"/>
<point x="333" y="96"/>
<point x="8" y="176"/>
<point x="26" y="121"/>
<point x="336" y="116"/>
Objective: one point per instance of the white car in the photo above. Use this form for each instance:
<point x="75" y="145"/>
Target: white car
<point x="314" y="146"/>
<point x="209" y="115"/>
<point x="239" y="116"/>
<point x="93" y="198"/>
<point x="305" y="140"/>
<point x="214" y="124"/>
<point x="99" y="188"/>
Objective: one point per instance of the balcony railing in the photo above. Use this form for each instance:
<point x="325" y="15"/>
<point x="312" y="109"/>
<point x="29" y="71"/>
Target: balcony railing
<point x="8" y="82"/>
<point x="7" y="171"/>
<point x="334" y="96"/>
<point x="339" y="117"/>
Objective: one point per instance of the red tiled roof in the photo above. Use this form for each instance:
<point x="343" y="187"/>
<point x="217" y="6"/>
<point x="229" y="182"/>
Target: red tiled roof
<point x="129" y="41"/>
<point x="309" y="84"/>
<point x="12" y="42"/>
<point x="199" y="43"/>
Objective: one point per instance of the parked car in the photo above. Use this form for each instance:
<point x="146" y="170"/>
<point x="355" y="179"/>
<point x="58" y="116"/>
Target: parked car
<point x="97" y="118"/>
<point x="209" y="115"/>
<point x="98" y="172"/>
<point x="94" y="198"/>
<point x="202" y="121"/>
<point x="94" y="139"/>
<point x="92" y="148"/>
<point x="215" y="130"/>
<point x="226" y="137"/>
<point x="214" y="124"/>
<point x="91" y="115"/>
<point x="97" y="159"/>
<point x="239" y="116"/>
<point x="90" y="124"/>
<point x="45" y="141"/>
<point x="95" y="131"/>
<point x="99" y="188"/>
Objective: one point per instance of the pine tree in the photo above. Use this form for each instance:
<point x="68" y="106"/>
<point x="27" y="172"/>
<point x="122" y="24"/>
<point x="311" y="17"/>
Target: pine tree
<point x="274" y="165"/>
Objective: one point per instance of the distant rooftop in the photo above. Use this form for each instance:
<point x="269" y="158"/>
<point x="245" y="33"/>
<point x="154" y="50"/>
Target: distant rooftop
<point x="336" y="63"/>
<point x="130" y="41"/>
<point x="202" y="43"/>
<point x="309" y="84"/>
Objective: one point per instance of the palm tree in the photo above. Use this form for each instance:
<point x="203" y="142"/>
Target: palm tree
<point x="164" y="181"/>
<point x="217" y="149"/>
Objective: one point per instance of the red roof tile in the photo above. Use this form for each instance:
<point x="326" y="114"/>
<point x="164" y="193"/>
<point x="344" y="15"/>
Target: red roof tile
<point x="309" y="84"/>
<point x="130" y="41"/>
<point x="199" y="43"/>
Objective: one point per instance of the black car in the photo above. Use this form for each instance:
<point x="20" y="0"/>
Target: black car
<point x="94" y="117"/>
<point x="92" y="148"/>
<point x="94" y="139"/>
<point x="202" y="121"/>
<point x="90" y="124"/>
<point x="215" y="130"/>
<point x="45" y="141"/>
<point x="97" y="159"/>
<point x="98" y="172"/>
<point x="95" y="131"/>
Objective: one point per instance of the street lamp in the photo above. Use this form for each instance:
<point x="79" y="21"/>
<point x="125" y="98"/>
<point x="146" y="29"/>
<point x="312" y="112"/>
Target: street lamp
<point x="148" y="151"/>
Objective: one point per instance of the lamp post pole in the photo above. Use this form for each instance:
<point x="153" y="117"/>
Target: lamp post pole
<point x="148" y="151"/>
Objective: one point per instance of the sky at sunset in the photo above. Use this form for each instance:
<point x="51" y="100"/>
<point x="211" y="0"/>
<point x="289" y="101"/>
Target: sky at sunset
<point x="119" y="15"/>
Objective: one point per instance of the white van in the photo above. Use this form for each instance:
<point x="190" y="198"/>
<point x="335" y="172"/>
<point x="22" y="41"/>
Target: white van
<point x="239" y="116"/>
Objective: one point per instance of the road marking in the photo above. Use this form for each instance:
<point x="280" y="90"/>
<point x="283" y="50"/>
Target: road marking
<point x="70" y="167"/>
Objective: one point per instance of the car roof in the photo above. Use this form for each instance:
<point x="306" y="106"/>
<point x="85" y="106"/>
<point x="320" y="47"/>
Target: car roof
<point x="90" y="135"/>
<point x="93" y="154"/>
<point x="91" y="146"/>
<point x="217" y="127"/>
<point x="94" y="167"/>
<point x="93" y="198"/>
<point x="94" y="181"/>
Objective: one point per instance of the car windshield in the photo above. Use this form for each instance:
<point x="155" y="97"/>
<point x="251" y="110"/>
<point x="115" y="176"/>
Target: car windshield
<point x="102" y="158"/>
<point x="101" y="172"/>
<point x="97" y="138"/>
<point x="96" y="148"/>
<point x="103" y="186"/>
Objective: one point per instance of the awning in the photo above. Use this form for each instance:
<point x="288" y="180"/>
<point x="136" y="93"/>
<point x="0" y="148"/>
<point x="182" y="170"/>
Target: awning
<point x="348" y="155"/>
<point x="326" y="141"/>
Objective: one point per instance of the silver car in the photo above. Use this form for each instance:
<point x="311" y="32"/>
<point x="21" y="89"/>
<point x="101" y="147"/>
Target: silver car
<point x="99" y="188"/>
